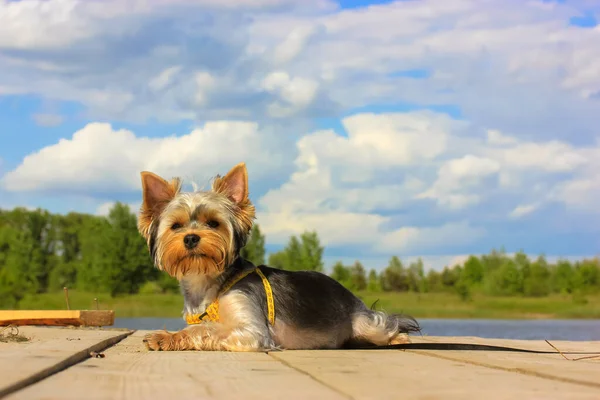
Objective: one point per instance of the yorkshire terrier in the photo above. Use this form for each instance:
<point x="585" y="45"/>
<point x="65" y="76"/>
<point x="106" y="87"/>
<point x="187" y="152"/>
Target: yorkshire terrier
<point x="231" y="304"/>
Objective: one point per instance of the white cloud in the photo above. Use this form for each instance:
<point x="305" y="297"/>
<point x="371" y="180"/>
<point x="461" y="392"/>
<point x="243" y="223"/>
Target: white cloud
<point x="366" y="230"/>
<point x="45" y="119"/>
<point x="525" y="82"/>
<point x="425" y="239"/>
<point x="100" y="159"/>
<point x="522" y="210"/>
<point x="164" y="78"/>
<point x="104" y="208"/>
<point x="457" y="175"/>
<point x="540" y="70"/>
<point x="580" y="194"/>
<point x="296" y="93"/>
<point x="356" y="190"/>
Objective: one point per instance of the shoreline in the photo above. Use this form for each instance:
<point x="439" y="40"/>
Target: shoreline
<point x="418" y="305"/>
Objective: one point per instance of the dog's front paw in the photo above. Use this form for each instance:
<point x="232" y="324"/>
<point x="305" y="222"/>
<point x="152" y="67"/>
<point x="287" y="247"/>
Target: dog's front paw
<point x="158" y="341"/>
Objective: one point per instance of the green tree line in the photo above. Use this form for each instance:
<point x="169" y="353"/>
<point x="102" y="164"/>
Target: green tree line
<point x="43" y="252"/>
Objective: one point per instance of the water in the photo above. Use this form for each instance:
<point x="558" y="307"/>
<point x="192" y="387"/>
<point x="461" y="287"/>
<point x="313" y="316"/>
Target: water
<point x="501" y="329"/>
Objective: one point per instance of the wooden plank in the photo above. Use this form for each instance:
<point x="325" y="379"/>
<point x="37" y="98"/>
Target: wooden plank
<point x="393" y="374"/>
<point x="57" y="317"/>
<point x="537" y="345"/>
<point x="48" y="351"/>
<point x="552" y="366"/>
<point x="129" y="371"/>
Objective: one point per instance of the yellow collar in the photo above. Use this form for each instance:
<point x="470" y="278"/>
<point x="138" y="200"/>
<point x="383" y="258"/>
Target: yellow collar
<point x="212" y="311"/>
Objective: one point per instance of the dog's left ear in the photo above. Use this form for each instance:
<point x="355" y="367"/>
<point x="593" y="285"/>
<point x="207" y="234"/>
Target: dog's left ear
<point x="234" y="185"/>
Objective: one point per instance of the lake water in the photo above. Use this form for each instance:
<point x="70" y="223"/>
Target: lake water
<point x="502" y="329"/>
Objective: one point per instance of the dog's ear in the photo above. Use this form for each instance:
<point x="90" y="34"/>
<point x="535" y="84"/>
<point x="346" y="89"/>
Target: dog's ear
<point x="156" y="194"/>
<point x="234" y="185"/>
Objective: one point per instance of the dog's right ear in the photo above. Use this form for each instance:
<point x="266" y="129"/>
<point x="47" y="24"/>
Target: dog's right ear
<point x="156" y="194"/>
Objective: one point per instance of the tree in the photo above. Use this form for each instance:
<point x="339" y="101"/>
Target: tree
<point x="70" y="228"/>
<point x="254" y="251"/>
<point x="300" y="255"/>
<point x="293" y="255"/>
<point x="473" y="271"/>
<point x="416" y="276"/>
<point x="450" y="276"/>
<point x="278" y="260"/>
<point x="341" y="273"/>
<point x="563" y="277"/>
<point x="587" y="275"/>
<point x="117" y="257"/>
<point x="374" y="283"/>
<point x="536" y="278"/>
<point x="358" y="276"/>
<point x="434" y="281"/>
<point x="506" y="280"/>
<point x="311" y="252"/>
<point x="394" y="277"/>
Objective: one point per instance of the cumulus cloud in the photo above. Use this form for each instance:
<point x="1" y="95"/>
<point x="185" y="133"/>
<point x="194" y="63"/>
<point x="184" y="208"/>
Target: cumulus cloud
<point x="100" y="159"/>
<point x="524" y="82"/>
<point x="374" y="187"/>
<point x="45" y="119"/>
<point x="506" y="64"/>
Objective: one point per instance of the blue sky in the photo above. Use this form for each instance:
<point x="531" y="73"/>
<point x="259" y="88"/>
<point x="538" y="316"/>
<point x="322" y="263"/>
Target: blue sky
<point x="416" y="128"/>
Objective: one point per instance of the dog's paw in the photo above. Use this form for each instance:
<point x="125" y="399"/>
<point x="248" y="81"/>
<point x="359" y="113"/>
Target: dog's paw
<point x="401" y="338"/>
<point x="159" y="341"/>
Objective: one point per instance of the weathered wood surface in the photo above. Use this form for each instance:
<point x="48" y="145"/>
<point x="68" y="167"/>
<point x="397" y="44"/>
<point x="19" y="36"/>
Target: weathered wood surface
<point x="129" y="371"/>
<point x="48" y="351"/>
<point x="583" y="369"/>
<point x="57" y="317"/>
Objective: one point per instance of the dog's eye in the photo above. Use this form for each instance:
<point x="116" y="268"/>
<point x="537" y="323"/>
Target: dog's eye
<point x="212" y="224"/>
<point x="175" y="226"/>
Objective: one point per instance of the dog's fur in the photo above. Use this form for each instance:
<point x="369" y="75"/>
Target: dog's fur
<point x="312" y="310"/>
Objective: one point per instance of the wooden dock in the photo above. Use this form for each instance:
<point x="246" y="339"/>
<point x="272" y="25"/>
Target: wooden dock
<point x="56" y="364"/>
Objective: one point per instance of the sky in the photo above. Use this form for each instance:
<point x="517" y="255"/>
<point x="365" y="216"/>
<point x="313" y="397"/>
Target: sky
<point x="419" y="128"/>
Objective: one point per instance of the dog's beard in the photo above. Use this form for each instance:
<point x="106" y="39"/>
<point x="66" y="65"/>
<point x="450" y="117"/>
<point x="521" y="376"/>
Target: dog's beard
<point x="210" y="257"/>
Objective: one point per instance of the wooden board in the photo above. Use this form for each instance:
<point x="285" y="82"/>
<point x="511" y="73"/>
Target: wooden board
<point x="553" y="366"/>
<point x="57" y="317"/>
<point x="129" y="371"/>
<point x="393" y="374"/>
<point x="48" y="351"/>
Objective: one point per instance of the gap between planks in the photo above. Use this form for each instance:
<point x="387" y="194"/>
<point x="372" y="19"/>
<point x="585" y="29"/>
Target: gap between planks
<point x="522" y="371"/>
<point x="62" y="365"/>
<point x="314" y="378"/>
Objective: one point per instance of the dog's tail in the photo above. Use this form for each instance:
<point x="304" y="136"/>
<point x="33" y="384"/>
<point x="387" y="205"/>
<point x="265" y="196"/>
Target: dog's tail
<point x="377" y="328"/>
<point x="402" y="323"/>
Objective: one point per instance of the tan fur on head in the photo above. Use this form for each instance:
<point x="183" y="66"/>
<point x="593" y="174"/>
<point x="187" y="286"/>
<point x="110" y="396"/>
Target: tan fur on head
<point x="210" y="257"/>
<point x="165" y="206"/>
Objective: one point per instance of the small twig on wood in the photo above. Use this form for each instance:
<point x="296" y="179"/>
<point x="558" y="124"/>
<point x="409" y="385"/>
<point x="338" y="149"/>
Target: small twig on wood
<point x="12" y="335"/>
<point x="573" y="359"/>
<point x="586" y="358"/>
<point x="67" y="297"/>
<point x="559" y="352"/>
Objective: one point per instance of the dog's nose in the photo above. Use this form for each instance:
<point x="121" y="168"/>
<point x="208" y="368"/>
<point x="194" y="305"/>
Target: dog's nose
<point x="191" y="241"/>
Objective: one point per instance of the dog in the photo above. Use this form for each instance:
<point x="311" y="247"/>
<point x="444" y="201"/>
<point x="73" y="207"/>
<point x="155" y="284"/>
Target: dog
<point x="231" y="304"/>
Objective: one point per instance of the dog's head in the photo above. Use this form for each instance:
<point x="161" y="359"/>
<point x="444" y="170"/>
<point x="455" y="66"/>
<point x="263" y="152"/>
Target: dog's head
<point x="198" y="232"/>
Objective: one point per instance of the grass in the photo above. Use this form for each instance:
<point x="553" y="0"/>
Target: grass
<point x="427" y="305"/>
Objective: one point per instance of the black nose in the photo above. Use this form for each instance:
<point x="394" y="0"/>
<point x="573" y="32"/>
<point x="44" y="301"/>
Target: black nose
<point x="191" y="241"/>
